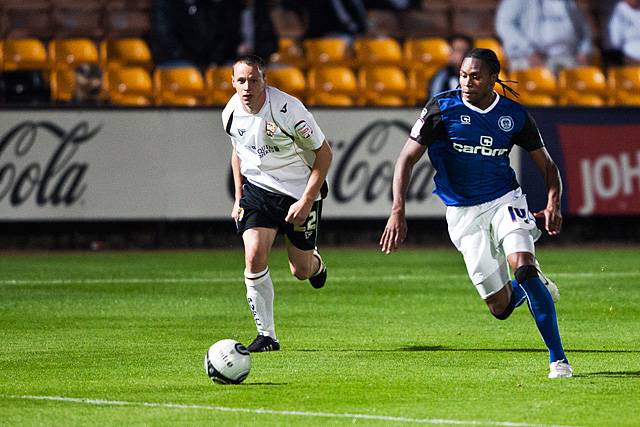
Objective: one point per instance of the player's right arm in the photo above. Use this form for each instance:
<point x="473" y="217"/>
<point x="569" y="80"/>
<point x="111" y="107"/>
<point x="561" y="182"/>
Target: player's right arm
<point x="237" y="184"/>
<point x="396" y="229"/>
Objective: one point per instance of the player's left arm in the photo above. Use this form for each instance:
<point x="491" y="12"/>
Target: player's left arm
<point x="299" y="211"/>
<point x="551" y="213"/>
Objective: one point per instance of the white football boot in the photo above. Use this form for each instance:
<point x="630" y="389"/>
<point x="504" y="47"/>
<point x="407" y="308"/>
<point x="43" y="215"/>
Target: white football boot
<point x="549" y="284"/>
<point x="560" y="369"/>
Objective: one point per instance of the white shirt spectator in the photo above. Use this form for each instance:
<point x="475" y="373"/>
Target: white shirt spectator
<point x="555" y="31"/>
<point x="624" y="30"/>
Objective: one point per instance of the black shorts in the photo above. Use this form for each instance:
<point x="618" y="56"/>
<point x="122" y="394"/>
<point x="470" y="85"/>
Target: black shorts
<point x="262" y="208"/>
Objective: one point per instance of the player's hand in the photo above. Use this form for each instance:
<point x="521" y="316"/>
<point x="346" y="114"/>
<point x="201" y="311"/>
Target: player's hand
<point x="394" y="233"/>
<point x="552" y="220"/>
<point x="298" y="212"/>
<point x="235" y="211"/>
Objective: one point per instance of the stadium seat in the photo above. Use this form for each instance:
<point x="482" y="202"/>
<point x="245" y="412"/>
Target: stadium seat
<point x="426" y="52"/>
<point x="78" y="18"/>
<point x="218" y="85"/>
<point x="67" y="53"/>
<point x="383" y="85"/>
<point x="62" y="84"/>
<point x="24" y="87"/>
<point x="537" y="86"/>
<point x="27" y="19"/>
<point x="287" y="79"/>
<point x="130" y="86"/>
<point x="331" y="86"/>
<point x="323" y="51"/>
<point x="493" y="44"/>
<point x="289" y="52"/>
<point x="582" y="86"/>
<point x="130" y="51"/>
<point x="419" y="79"/>
<point x="181" y="86"/>
<point x="381" y="51"/>
<point x="24" y="54"/>
<point x="625" y="85"/>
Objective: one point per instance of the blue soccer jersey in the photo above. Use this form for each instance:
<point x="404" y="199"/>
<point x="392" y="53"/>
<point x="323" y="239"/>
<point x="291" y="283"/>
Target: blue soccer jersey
<point x="469" y="147"/>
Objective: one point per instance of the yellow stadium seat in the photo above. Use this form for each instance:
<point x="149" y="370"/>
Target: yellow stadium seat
<point x="62" y="83"/>
<point x="426" y="52"/>
<point x="383" y="85"/>
<point x="287" y="79"/>
<point x="382" y="51"/>
<point x="289" y="52"/>
<point x="24" y="54"/>
<point x="582" y="86"/>
<point x="67" y="53"/>
<point x="130" y="51"/>
<point x="419" y="79"/>
<point x="218" y="85"/>
<point x="625" y="85"/>
<point x="332" y="85"/>
<point x="130" y="86"/>
<point x="494" y="45"/>
<point x="537" y="86"/>
<point x="178" y="86"/>
<point x="323" y="51"/>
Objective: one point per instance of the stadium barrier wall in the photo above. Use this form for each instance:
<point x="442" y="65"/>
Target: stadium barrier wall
<point x="173" y="164"/>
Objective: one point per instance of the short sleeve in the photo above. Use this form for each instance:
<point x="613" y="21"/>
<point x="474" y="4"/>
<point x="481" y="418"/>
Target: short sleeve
<point x="529" y="136"/>
<point x="300" y="123"/>
<point x="429" y="126"/>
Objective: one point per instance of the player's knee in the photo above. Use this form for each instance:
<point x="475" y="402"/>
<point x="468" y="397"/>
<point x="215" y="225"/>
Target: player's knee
<point x="502" y="314"/>
<point x="526" y="272"/>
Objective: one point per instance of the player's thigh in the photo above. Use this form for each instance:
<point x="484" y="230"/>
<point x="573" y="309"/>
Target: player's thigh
<point x="257" y="246"/>
<point x="519" y="247"/>
<point x="485" y="262"/>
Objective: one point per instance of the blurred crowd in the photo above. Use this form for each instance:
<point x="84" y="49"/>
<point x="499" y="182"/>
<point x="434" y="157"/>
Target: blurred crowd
<point x="208" y="34"/>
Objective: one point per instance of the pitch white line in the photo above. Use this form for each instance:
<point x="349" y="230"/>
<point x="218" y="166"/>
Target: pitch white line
<point x="100" y="402"/>
<point x="178" y="280"/>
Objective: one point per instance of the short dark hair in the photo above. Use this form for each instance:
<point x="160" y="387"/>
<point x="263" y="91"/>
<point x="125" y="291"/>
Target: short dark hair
<point x="490" y="59"/>
<point x="251" y="60"/>
<point x="487" y="56"/>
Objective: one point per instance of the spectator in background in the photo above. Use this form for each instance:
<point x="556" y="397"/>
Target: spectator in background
<point x="551" y="33"/>
<point x="448" y="77"/>
<point x="624" y="30"/>
<point x="87" y="88"/>
<point x="210" y="32"/>
<point x="334" y="18"/>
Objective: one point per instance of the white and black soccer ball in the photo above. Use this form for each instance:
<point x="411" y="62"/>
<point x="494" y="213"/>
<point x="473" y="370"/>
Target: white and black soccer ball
<point x="227" y="362"/>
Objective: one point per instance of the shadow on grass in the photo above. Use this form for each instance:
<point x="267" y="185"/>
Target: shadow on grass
<point x="427" y="348"/>
<point x="611" y="374"/>
<point x="263" y="384"/>
<point x="508" y="350"/>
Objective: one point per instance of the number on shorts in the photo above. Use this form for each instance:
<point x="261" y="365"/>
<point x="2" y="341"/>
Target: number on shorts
<point x="309" y="224"/>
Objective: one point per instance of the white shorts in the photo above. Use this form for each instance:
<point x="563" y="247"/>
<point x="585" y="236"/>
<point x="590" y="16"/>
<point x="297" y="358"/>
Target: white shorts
<point x="486" y="234"/>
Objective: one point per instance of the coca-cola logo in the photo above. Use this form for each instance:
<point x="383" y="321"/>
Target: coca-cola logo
<point x="364" y="172"/>
<point x="58" y="180"/>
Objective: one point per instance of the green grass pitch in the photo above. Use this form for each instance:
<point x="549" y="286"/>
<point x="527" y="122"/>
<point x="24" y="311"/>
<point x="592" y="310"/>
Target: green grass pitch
<point x="119" y="339"/>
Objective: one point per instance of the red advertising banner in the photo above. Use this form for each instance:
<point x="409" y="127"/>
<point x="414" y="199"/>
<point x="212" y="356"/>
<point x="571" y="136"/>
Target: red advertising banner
<point x="602" y="168"/>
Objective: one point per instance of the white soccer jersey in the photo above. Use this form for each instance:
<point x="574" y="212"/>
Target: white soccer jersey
<point x="275" y="145"/>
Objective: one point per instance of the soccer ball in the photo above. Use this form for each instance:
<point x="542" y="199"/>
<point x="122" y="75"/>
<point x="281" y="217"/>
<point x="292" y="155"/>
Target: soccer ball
<point x="227" y="362"/>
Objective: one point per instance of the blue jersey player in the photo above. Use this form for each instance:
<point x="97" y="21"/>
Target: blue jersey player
<point x="469" y="133"/>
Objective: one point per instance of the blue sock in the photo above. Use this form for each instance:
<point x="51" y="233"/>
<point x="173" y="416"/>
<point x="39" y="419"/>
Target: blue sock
<point x="519" y="296"/>
<point x="544" y="312"/>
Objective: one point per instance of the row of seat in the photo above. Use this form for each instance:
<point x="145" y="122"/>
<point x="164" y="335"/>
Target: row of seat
<point x="377" y="85"/>
<point x="412" y="53"/>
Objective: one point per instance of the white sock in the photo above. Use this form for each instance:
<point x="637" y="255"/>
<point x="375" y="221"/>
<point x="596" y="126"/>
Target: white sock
<point x="260" y="299"/>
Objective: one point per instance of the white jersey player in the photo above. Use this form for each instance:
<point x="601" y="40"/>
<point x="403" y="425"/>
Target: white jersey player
<point x="280" y="160"/>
